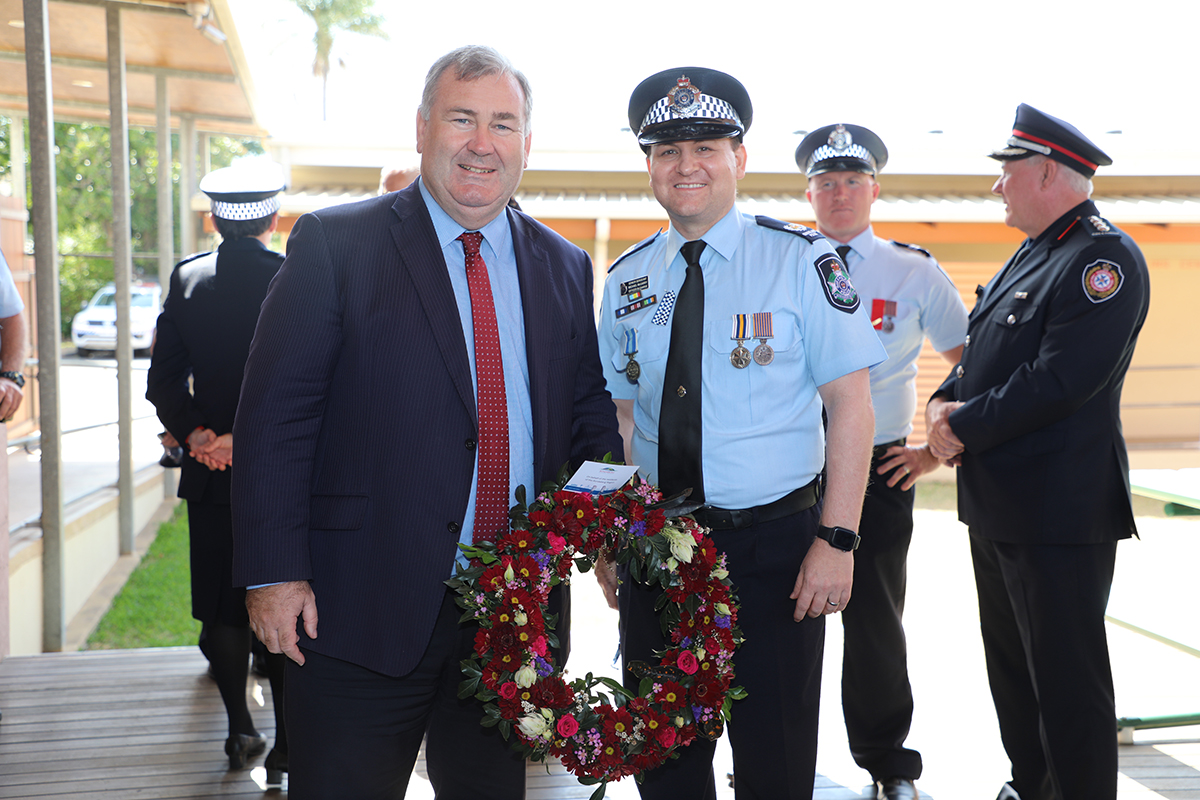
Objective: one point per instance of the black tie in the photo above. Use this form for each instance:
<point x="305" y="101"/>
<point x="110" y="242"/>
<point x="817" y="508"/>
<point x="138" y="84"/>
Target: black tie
<point x="680" y="432"/>
<point x="843" y="250"/>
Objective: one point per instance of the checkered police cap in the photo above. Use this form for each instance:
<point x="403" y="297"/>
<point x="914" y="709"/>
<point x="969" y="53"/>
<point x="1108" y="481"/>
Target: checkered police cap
<point x="689" y="103"/>
<point x="247" y="190"/>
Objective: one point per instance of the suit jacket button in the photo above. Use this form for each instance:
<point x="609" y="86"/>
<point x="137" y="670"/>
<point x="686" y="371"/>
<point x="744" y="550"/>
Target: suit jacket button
<point x="470" y="443"/>
<point x="967" y="343"/>
<point x="454" y="527"/>
<point x="958" y="371"/>
<point x="1012" y="319"/>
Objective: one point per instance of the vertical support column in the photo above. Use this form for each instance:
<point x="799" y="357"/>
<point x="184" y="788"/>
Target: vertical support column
<point x="122" y="271"/>
<point x="16" y="143"/>
<point x="45" y="244"/>
<point x="600" y="261"/>
<point x="187" y="187"/>
<point x="165" y="189"/>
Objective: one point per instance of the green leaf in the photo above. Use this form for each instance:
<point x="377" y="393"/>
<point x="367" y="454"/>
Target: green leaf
<point x="599" y="793"/>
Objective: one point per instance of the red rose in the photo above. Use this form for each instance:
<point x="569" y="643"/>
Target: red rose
<point x="567" y="726"/>
<point x="688" y="662"/>
<point x="508" y="690"/>
<point x="666" y="735"/>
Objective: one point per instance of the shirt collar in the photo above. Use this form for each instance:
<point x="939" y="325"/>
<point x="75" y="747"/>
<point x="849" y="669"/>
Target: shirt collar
<point x="496" y="233"/>
<point x="863" y="243"/>
<point x="723" y="237"/>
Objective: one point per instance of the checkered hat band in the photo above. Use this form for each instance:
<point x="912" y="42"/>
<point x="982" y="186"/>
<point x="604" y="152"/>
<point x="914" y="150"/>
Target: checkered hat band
<point x="256" y="210"/>
<point x="853" y="151"/>
<point x="707" y="107"/>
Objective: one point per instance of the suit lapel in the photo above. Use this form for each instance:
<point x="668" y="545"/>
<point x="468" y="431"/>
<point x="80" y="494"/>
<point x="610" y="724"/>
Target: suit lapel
<point x="419" y="255"/>
<point x="1008" y="277"/>
<point x="539" y="298"/>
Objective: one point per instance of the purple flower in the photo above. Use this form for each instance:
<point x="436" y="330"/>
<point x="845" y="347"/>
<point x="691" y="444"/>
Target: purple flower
<point x="722" y="622"/>
<point x="638" y="528"/>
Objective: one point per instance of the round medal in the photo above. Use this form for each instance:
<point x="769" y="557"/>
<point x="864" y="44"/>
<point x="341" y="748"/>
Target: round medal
<point x="740" y="357"/>
<point x="633" y="371"/>
<point x="763" y="354"/>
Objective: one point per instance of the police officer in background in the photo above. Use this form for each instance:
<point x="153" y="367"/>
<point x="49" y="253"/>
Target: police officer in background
<point x="909" y="297"/>
<point x="1032" y="416"/>
<point x="721" y="340"/>
<point x="195" y="377"/>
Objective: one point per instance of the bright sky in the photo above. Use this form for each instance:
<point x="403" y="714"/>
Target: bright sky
<point x="900" y="68"/>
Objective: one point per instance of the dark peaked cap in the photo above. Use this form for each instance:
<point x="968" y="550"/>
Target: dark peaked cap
<point x="1037" y="133"/>
<point x="841" y="148"/>
<point x="687" y="104"/>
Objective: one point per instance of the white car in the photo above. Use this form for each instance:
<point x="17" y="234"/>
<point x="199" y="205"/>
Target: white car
<point x="95" y="327"/>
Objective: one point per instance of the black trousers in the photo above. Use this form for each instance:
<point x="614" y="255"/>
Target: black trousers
<point x="877" y="700"/>
<point x="355" y="733"/>
<point x="774" y="730"/>
<point x="1041" y="610"/>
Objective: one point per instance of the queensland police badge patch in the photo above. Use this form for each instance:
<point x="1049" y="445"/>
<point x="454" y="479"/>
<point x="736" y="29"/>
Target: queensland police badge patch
<point x="839" y="291"/>
<point x="1101" y="280"/>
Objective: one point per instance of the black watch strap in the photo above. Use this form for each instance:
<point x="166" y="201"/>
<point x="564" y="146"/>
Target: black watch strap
<point x="15" y="377"/>
<point x="841" y="538"/>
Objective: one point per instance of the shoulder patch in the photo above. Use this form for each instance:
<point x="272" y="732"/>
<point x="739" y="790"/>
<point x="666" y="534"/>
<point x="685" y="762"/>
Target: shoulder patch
<point x="1102" y="279"/>
<point x="795" y="228"/>
<point x="839" y="291"/>
<point x="640" y="245"/>
<point x="913" y="247"/>
<point x="1098" y="226"/>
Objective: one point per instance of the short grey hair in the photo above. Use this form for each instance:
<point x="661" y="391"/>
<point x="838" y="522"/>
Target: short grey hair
<point x="470" y="63"/>
<point x="1077" y="182"/>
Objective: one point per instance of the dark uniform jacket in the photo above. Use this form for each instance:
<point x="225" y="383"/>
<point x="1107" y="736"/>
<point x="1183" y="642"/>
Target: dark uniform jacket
<point x="204" y="333"/>
<point x="357" y="424"/>
<point x="1048" y="344"/>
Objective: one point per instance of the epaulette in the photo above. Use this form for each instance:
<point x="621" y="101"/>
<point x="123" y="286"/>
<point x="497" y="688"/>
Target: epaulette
<point x="913" y="247"/>
<point x="795" y="228"/>
<point x="193" y="257"/>
<point x="639" y="246"/>
<point x="1098" y="226"/>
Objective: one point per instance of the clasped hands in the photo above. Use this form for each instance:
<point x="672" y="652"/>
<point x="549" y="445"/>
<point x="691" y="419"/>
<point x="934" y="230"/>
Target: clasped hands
<point x="211" y="450"/>
<point x="944" y="445"/>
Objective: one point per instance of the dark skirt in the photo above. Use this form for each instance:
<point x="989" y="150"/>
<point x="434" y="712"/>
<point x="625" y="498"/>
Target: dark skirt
<point x="210" y="536"/>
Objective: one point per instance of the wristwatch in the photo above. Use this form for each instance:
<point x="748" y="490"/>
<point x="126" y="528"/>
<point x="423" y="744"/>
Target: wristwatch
<point x="15" y="377"/>
<point x="842" y="538"/>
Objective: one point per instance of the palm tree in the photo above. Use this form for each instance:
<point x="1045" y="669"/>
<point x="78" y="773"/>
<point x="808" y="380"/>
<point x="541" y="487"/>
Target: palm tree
<point x="331" y="16"/>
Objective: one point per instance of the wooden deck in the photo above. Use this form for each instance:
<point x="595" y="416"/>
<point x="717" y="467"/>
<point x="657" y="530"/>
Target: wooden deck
<point x="114" y="725"/>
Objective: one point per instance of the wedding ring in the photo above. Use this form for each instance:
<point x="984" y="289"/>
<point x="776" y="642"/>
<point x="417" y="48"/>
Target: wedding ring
<point x="833" y="602"/>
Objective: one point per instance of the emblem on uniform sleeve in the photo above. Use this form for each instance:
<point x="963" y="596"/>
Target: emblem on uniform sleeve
<point x="839" y="291"/>
<point x="1101" y="280"/>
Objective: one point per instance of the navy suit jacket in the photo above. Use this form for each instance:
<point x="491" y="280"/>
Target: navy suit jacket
<point x="356" y="427"/>
<point x="1048" y="345"/>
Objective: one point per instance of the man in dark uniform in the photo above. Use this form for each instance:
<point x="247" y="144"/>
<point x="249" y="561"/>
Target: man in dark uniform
<point x="203" y="339"/>
<point x="1031" y="414"/>
<point x="910" y="298"/>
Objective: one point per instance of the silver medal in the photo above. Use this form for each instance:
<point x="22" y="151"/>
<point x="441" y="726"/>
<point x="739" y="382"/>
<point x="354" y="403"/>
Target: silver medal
<point x="763" y="354"/>
<point x="740" y="357"/>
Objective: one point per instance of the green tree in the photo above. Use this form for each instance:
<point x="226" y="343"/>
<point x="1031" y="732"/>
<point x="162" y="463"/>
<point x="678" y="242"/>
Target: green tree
<point x="331" y="16"/>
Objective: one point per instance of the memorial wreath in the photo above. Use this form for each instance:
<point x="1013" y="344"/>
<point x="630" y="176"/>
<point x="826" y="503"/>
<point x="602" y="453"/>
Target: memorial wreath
<point x="688" y="693"/>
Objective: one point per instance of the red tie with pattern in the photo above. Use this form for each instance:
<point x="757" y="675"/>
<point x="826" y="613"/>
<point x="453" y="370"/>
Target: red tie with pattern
<point x="491" y="493"/>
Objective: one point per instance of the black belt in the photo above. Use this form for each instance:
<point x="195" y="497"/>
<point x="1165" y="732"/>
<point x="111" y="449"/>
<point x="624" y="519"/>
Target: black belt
<point x="723" y="519"/>
<point x="880" y="449"/>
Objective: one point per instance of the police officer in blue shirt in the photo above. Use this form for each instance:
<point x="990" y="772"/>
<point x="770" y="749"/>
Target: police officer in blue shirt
<point x="1032" y="416"/>
<point x="909" y="298"/>
<point x="722" y="339"/>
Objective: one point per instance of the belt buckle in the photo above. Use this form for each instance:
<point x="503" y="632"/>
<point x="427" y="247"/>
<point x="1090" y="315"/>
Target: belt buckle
<point x="741" y="518"/>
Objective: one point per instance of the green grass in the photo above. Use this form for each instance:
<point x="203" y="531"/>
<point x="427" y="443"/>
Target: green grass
<point x="154" y="609"/>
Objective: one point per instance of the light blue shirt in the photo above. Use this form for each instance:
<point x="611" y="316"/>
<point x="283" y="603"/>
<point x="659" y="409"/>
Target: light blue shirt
<point x="501" y="260"/>
<point x="762" y="424"/>
<point x="10" y="301"/>
<point x="907" y="297"/>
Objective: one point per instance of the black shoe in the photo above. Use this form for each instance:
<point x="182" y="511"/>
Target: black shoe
<point x="896" y="789"/>
<point x="243" y="746"/>
<point x="277" y="765"/>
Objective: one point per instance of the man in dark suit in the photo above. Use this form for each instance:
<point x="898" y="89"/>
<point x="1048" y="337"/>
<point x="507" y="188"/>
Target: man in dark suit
<point x="202" y="341"/>
<point x="410" y="344"/>
<point x="1032" y="415"/>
